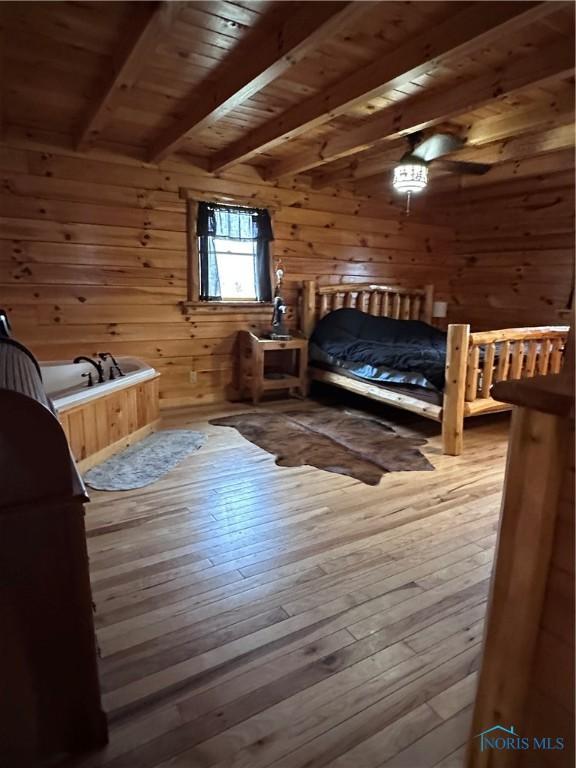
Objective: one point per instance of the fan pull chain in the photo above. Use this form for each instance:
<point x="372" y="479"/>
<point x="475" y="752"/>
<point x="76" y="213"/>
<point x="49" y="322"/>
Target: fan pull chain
<point x="407" y="212"/>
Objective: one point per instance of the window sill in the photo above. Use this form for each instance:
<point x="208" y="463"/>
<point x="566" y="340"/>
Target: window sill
<point x="230" y="307"/>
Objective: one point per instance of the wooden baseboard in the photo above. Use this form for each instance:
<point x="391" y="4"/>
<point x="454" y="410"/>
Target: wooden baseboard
<point x="110" y="450"/>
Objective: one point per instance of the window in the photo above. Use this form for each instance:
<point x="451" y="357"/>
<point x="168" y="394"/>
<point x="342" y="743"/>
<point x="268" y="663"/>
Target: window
<point x="232" y="254"/>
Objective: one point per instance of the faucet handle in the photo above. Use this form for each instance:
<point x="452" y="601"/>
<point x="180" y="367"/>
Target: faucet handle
<point x="89" y="375"/>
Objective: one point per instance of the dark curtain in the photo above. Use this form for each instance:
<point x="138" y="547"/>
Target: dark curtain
<point x="209" y="277"/>
<point x="233" y="223"/>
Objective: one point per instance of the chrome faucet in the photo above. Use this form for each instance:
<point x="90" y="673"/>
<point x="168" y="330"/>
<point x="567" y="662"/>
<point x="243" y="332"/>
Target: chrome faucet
<point x="97" y="366"/>
<point x="114" y="366"/>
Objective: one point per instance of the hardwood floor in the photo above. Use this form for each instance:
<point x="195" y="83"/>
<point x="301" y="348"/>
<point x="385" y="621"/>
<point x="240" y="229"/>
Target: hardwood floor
<point x="251" y="615"/>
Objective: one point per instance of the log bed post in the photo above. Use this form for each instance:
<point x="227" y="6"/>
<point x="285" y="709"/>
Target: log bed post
<point x="308" y="307"/>
<point x="428" y="308"/>
<point x="455" y="389"/>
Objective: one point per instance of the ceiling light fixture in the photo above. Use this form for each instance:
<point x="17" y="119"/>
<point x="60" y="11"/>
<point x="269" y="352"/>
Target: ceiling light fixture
<point x="410" y="176"/>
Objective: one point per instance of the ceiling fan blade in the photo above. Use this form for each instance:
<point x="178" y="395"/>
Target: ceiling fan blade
<point x="457" y="166"/>
<point x="437" y="145"/>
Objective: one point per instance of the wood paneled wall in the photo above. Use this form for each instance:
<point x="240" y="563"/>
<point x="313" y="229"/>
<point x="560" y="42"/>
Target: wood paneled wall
<point x="514" y="251"/>
<point x="93" y="258"/>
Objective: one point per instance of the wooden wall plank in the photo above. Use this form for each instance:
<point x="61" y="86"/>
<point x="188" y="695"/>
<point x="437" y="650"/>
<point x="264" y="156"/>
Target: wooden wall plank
<point x="92" y="254"/>
<point x="514" y="254"/>
<point x="93" y="257"/>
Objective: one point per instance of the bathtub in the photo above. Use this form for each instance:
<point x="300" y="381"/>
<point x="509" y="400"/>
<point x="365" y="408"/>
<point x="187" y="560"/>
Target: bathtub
<point x="66" y="386"/>
<point x="107" y="417"/>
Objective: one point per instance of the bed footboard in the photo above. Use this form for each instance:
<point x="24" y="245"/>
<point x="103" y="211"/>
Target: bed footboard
<point x="475" y="361"/>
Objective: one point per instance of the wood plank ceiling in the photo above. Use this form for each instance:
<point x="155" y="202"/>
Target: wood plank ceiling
<point x="329" y="89"/>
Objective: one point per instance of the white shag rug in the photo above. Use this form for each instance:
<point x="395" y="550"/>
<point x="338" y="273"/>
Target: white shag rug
<point x="145" y="462"/>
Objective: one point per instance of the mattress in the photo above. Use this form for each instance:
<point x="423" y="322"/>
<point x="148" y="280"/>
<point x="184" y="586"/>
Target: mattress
<point x="380" y="350"/>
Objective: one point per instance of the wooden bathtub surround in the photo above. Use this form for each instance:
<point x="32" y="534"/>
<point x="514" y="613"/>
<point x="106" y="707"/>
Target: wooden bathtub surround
<point x="527" y="676"/>
<point x="473" y="360"/>
<point x="105" y="425"/>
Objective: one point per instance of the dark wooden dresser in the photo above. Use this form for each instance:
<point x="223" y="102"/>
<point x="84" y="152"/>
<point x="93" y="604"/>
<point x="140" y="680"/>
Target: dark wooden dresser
<point x="50" y="700"/>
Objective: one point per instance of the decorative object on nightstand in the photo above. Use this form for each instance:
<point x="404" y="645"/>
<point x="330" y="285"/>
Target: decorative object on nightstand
<point x="258" y="375"/>
<point x="279" y="331"/>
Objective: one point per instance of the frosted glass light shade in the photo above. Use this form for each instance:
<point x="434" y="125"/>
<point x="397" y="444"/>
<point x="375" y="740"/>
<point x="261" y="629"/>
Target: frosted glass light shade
<point x="410" y="177"/>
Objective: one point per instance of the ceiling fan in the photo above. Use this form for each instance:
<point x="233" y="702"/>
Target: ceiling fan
<point x="411" y="173"/>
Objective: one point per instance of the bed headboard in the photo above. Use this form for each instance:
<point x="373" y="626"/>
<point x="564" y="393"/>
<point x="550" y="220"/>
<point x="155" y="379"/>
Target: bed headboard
<point x="399" y="302"/>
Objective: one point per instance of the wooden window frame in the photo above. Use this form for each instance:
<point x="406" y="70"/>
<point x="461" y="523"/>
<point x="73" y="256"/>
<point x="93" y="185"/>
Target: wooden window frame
<point x="193" y="302"/>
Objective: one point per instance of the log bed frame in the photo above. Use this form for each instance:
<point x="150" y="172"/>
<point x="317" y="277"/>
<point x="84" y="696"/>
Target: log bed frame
<point x="524" y="352"/>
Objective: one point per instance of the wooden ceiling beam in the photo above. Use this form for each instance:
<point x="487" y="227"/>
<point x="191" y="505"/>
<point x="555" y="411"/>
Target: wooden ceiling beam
<point x="519" y="122"/>
<point x="519" y="147"/>
<point x="468" y="30"/>
<point x="511" y="170"/>
<point x="359" y="167"/>
<point x="419" y="112"/>
<point x="538" y="185"/>
<point x="252" y="66"/>
<point x="149" y="22"/>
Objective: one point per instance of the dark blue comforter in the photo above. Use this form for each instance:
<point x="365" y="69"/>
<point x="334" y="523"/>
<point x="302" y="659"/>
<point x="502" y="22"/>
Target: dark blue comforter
<point x="380" y="348"/>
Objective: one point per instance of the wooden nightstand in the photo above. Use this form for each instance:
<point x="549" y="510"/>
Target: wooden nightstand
<point x="261" y="371"/>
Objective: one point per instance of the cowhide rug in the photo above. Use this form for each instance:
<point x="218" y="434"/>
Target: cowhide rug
<point x="331" y="439"/>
